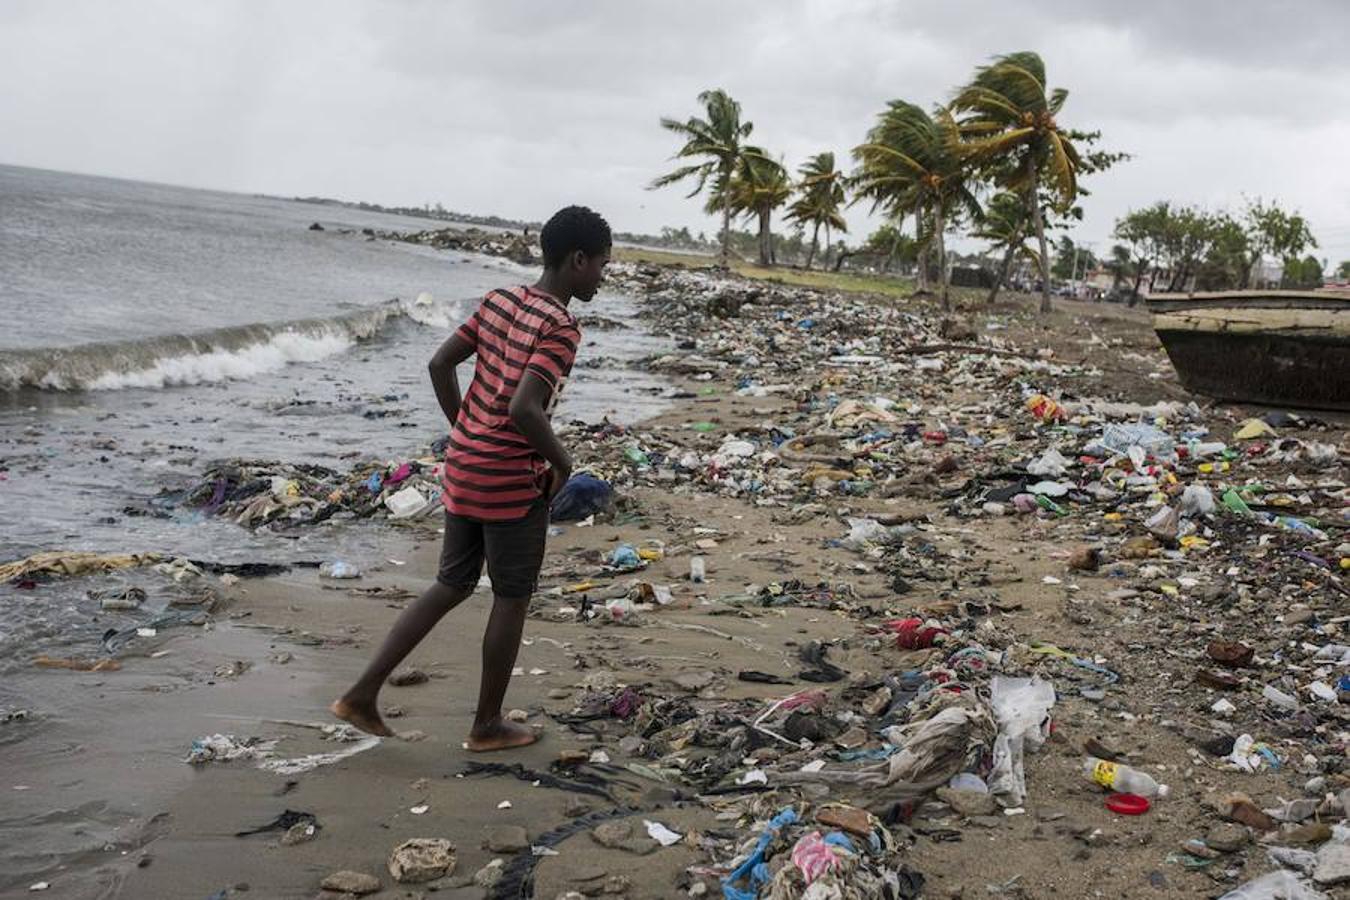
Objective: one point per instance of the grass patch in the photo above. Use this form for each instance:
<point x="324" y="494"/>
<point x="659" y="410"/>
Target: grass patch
<point x="849" y="282"/>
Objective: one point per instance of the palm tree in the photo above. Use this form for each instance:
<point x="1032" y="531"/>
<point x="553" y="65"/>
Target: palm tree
<point x="913" y="162"/>
<point x="758" y="186"/>
<point x="1006" y="225"/>
<point x="1120" y="265"/>
<point x="716" y="142"/>
<point x="821" y="198"/>
<point x="1010" y="121"/>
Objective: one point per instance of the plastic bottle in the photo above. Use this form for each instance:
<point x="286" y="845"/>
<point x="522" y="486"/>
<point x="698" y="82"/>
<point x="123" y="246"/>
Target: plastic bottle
<point x="1202" y="449"/>
<point x="1046" y="503"/>
<point x="1123" y="779"/>
<point x="698" y="571"/>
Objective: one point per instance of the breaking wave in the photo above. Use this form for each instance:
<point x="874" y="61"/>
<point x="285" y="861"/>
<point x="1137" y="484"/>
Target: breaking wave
<point x="223" y="354"/>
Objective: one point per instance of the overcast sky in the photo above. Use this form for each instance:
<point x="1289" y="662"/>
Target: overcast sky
<point x="517" y="108"/>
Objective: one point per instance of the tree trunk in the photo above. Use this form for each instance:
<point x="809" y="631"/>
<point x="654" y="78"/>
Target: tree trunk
<point x="724" y="258"/>
<point x="1002" y="276"/>
<point x="895" y="247"/>
<point x="1138" y="280"/>
<point x="942" y="254"/>
<point x="764" y="249"/>
<point x="923" y="250"/>
<point x="827" y="245"/>
<point x="1039" y="223"/>
<point x="811" y="254"/>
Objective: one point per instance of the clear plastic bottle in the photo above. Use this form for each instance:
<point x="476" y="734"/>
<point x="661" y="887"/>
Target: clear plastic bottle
<point x="1123" y="779"/>
<point x="698" y="570"/>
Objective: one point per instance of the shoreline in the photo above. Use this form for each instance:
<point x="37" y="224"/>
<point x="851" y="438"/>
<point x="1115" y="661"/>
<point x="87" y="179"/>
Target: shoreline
<point x="980" y="577"/>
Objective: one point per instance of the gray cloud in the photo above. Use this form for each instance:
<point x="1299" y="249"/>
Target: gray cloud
<point x="517" y="107"/>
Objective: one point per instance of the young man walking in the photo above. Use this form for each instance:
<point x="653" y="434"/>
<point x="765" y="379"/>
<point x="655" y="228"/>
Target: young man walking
<point x="502" y="467"/>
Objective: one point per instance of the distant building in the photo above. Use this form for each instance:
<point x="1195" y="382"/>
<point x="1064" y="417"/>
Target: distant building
<point x="1267" y="273"/>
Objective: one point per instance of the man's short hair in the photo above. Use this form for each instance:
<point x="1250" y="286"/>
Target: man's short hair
<point x="574" y="228"/>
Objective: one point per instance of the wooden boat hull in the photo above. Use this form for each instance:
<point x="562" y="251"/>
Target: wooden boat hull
<point x="1280" y="348"/>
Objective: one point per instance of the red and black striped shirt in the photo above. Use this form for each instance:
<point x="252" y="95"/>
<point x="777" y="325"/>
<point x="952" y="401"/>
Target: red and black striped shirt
<point x="491" y="472"/>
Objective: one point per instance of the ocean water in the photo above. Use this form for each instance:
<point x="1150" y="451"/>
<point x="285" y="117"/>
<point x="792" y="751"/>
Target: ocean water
<point x="150" y="329"/>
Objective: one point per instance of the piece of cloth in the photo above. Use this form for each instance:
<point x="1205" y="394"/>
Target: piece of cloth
<point x="66" y="563"/>
<point x="813" y="857"/>
<point x="491" y="472"/>
<point x="514" y="551"/>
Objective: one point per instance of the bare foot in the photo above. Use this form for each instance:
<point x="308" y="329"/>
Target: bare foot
<point x="366" y="718"/>
<point x="500" y="735"/>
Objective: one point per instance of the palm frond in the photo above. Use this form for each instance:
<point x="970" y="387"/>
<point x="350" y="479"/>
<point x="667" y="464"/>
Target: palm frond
<point x="1057" y="98"/>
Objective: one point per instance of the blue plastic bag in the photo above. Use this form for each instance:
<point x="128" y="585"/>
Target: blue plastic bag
<point x="583" y="495"/>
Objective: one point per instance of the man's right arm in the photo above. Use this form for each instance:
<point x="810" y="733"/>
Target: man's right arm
<point x="444" y="381"/>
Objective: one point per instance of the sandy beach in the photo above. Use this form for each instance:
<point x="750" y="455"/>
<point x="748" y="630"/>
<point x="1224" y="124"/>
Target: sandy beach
<point x="101" y="803"/>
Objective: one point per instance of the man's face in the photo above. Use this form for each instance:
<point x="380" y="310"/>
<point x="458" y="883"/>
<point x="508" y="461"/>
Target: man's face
<point x="590" y="275"/>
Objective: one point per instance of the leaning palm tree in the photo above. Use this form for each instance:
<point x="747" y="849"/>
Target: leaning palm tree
<point x="758" y="186"/>
<point x="716" y="142"/>
<point x="914" y="162"/>
<point x="1006" y="225"/>
<point x="1009" y="120"/>
<point x="820" y="201"/>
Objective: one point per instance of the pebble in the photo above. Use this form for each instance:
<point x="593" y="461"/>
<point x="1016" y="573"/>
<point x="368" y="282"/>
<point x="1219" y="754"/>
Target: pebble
<point x="407" y="677"/>
<point x="967" y="803"/>
<point x="1227" y="837"/>
<point x="505" y="839"/>
<point x="490" y="874"/>
<point x="620" y="835"/>
<point x="1333" y="863"/>
<point x="348" y="882"/>
<point x="299" y="833"/>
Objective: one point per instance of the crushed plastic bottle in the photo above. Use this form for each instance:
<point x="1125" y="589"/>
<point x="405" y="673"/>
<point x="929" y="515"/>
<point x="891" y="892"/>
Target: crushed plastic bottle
<point x="1153" y="441"/>
<point x="339" y="569"/>
<point x="1123" y="779"/>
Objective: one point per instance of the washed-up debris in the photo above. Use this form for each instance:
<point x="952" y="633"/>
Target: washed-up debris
<point x="284" y="822"/>
<point x="419" y="860"/>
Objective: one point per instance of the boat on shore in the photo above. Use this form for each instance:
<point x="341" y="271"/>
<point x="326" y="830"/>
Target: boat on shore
<point x="1279" y="348"/>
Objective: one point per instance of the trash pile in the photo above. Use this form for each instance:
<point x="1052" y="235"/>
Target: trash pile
<point x="254" y="493"/>
<point x="515" y="247"/>
<point x="1210" y="549"/>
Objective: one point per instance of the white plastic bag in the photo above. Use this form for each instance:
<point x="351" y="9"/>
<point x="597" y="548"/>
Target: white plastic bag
<point x="1022" y="710"/>
<point x="1279" y="885"/>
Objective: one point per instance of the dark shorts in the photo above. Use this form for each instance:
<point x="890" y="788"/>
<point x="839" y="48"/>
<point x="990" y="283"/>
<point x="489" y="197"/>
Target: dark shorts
<point x="514" y="552"/>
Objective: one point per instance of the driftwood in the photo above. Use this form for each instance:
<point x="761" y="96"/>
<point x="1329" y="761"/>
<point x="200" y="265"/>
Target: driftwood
<point x="919" y="349"/>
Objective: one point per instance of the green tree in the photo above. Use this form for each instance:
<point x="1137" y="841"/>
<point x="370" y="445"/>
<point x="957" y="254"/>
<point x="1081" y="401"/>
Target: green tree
<point x="913" y="162"/>
<point x="1009" y="118"/>
<point x="1144" y="232"/>
<point x="758" y="186"/>
<point x="1227" y="259"/>
<point x="1071" y="260"/>
<point x="1273" y="232"/>
<point x="1343" y="270"/>
<point x="1188" y="235"/>
<point x="890" y="243"/>
<point x="717" y="143"/>
<point x="1006" y="225"/>
<point x="820" y="199"/>
<point x="1304" y="274"/>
